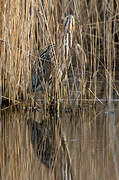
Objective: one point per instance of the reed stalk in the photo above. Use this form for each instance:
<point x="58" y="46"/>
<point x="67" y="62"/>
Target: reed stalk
<point x="28" y="27"/>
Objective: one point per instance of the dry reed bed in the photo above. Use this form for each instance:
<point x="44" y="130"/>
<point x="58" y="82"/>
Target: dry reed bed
<point x="27" y="27"/>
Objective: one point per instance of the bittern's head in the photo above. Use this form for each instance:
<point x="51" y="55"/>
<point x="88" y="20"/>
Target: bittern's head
<point x="69" y="24"/>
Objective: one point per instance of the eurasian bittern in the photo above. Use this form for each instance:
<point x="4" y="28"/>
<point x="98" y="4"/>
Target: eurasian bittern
<point x="46" y="61"/>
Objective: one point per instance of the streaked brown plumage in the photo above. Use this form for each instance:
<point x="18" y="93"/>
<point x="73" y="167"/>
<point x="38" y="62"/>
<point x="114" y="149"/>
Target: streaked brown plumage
<point x="47" y="61"/>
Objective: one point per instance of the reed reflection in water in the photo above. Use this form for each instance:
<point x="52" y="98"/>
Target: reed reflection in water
<point x="44" y="140"/>
<point x="91" y="139"/>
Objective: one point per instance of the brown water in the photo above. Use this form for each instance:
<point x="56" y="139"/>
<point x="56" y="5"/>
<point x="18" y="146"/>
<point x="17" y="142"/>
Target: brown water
<point x="91" y="136"/>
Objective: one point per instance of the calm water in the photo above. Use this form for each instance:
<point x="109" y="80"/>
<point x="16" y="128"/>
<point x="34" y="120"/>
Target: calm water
<point x="91" y="137"/>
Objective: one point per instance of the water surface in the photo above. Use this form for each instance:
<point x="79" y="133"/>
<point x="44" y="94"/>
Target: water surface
<point x="90" y="133"/>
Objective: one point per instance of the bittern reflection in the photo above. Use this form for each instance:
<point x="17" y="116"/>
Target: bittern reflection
<point x="45" y="141"/>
